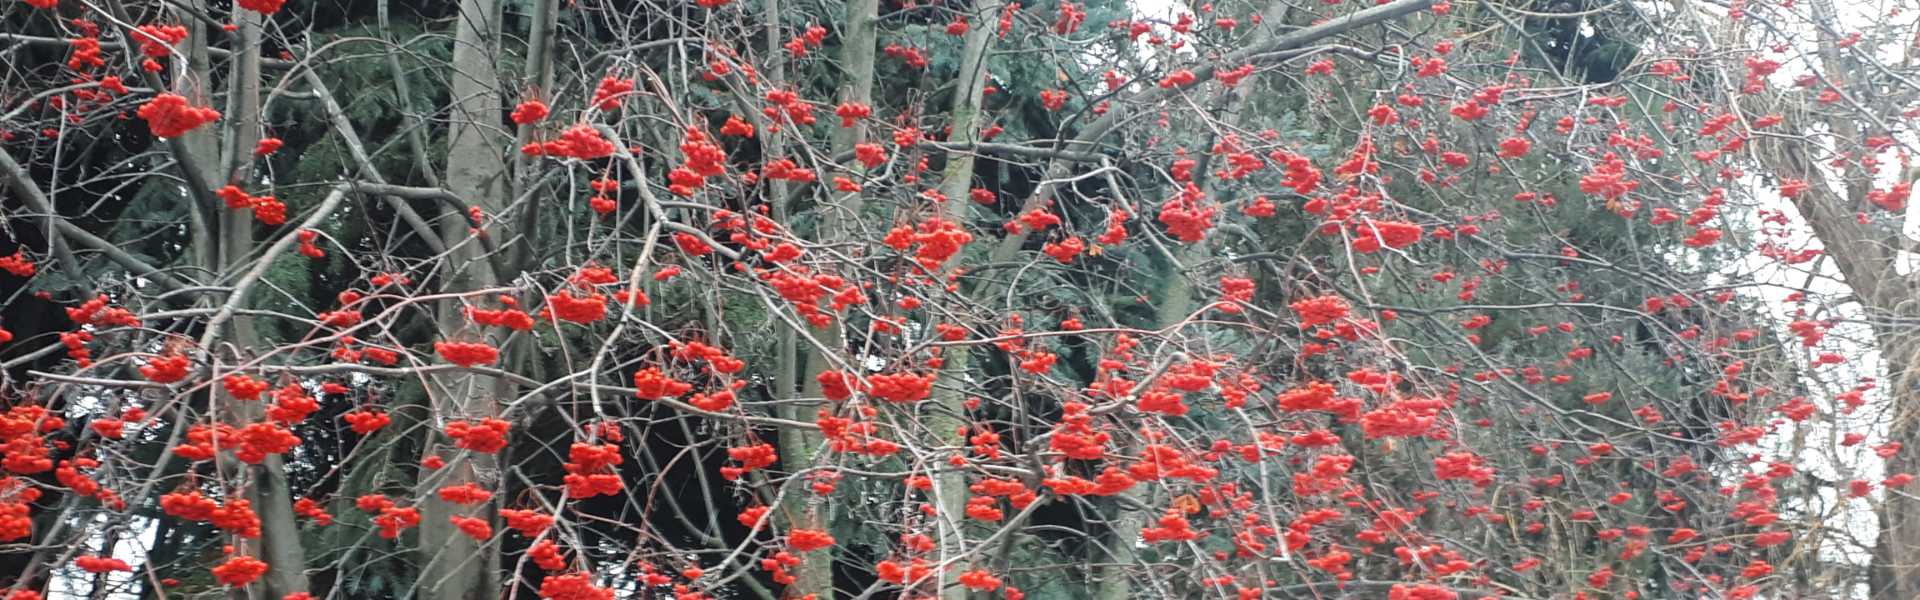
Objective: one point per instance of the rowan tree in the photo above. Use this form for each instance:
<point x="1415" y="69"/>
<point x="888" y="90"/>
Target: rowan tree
<point x="1417" y="300"/>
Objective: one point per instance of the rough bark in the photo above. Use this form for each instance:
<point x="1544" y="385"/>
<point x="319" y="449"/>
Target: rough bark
<point x="1896" y="553"/>
<point x="1865" y="253"/>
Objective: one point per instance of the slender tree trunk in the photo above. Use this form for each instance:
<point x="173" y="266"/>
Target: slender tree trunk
<point x="798" y="447"/>
<point x="1866" y="264"/>
<point x="540" y="79"/>
<point x="799" y="508"/>
<point x="224" y="155"/>
<point x="946" y="412"/>
<point x="458" y="568"/>
<point x="203" y="145"/>
<point x="1115" y="581"/>
<point x="279" y="533"/>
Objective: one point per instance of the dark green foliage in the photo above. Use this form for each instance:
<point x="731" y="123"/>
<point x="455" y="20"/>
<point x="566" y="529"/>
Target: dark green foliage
<point x="1578" y="47"/>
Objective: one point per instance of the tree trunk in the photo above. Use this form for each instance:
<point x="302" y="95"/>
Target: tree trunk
<point x="947" y="409"/>
<point x="226" y="155"/>
<point x="1115" y="581"/>
<point x="798" y="447"/>
<point x="1864" y="252"/>
<point x="279" y="533"/>
<point x="1896" y="554"/>
<point x="458" y="568"/>
<point x="203" y="145"/>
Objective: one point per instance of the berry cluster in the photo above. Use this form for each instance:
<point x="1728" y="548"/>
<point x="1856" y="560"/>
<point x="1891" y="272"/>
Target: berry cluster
<point x="510" y="317"/>
<point x="591" y="470"/>
<point x="1185" y="217"/>
<point x="902" y="387"/>
<point x="808" y="540"/>
<point x="393" y="519"/>
<point x="307" y="507"/>
<point x="653" y="384"/>
<point x="611" y="92"/>
<point x="466" y="493"/>
<point x="366" y="421"/>
<point x="1369" y="236"/>
<point x="573" y="586"/>
<point x="238" y="518"/>
<point x="265" y="7"/>
<point x="788" y="106"/>
<point x="850" y="112"/>
<point x="307" y="237"/>
<point x="937" y="239"/>
<point x="1065" y="250"/>
<point x="546" y="555"/>
<point x="15" y="522"/>
<point x="243" y="387"/>
<point x="529" y="112"/>
<point x="292" y="404"/>
<point x="467" y="354"/>
<point x="169" y="115"/>
<point x="529" y="523"/>
<point x="474" y="527"/>
<point x="757" y="456"/>
<point x="166" y="369"/>
<point x="18" y="264"/>
<point x="256" y="441"/>
<point x="96" y="312"/>
<point x="582" y="309"/>
<point x="485" y="436"/>
<point x="705" y="160"/>
<point x="1320" y="310"/>
<point x="239" y="571"/>
<point x="157" y="41"/>
<point x="101" y="564"/>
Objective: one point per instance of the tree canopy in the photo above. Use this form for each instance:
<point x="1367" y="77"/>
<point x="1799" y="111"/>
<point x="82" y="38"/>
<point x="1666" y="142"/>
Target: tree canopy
<point x="1415" y="300"/>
